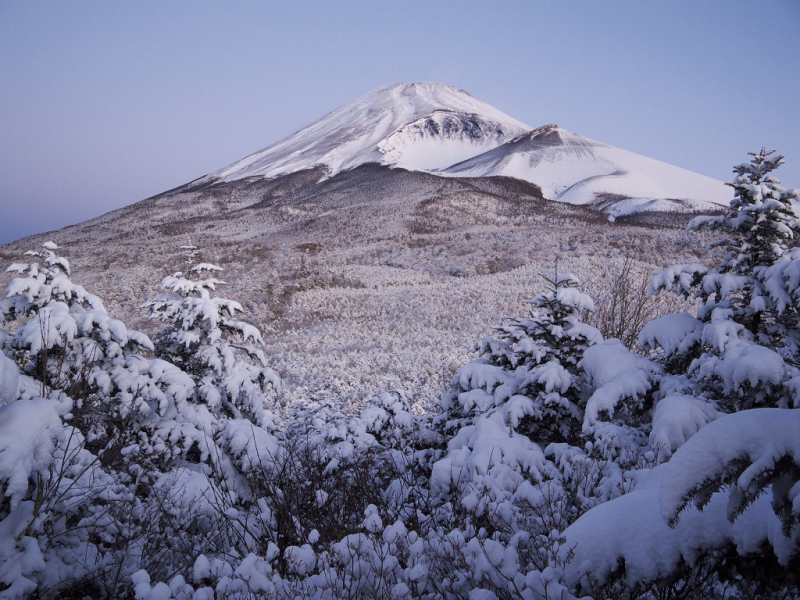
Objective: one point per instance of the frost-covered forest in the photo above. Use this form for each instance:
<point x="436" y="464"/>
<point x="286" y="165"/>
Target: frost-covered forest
<point x="624" y="436"/>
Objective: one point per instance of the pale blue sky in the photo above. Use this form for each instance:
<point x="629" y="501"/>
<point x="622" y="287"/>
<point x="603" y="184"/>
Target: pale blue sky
<point x="107" y="103"/>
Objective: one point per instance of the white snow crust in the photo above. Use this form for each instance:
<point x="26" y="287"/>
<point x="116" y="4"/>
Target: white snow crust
<point x="676" y="419"/>
<point x="762" y="436"/>
<point x="9" y="380"/>
<point x="487" y="449"/>
<point x="29" y="431"/>
<point x="672" y="332"/>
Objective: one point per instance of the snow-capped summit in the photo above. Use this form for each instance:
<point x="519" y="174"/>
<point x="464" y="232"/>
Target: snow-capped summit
<point x="574" y="169"/>
<point x="422" y="126"/>
<point x="443" y="130"/>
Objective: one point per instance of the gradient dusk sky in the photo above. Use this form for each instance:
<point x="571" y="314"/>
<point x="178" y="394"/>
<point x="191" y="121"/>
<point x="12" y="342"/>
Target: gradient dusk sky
<point x="107" y="103"/>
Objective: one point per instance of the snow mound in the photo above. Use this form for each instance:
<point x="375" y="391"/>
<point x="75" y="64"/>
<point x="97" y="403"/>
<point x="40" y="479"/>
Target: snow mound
<point x="745" y="362"/>
<point x="631" y="529"/>
<point x="672" y="332"/>
<point x="760" y="437"/>
<point x="29" y="432"/>
<point x="9" y="380"/>
<point x="487" y="449"/>
<point x="678" y="418"/>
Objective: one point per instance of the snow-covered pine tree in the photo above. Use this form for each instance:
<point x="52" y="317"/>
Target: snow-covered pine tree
<point x="747" y="325"/>
<point x="204" y="339"/>
<point x="748" y="331"/>
<point x="96" y="474"/>
<point x="68" y="337"/>
<point x="531" y="372"/>
<point x="762" y="210"/>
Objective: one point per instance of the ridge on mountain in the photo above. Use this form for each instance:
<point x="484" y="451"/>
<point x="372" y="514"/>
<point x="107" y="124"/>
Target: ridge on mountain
<point x="570" y="168"/>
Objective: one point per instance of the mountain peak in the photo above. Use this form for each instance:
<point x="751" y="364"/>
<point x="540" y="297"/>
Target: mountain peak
<point x="545" y="133"/>
<point x="458" y="126"/>
<point x="425" y="88"/>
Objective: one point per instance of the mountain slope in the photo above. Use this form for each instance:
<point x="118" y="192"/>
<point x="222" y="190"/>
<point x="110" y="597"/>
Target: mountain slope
<point x="574" y="169"/>
<point x="424" y="126"/>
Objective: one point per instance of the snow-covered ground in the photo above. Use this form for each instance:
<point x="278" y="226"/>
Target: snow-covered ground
<point x="356" y="317"/>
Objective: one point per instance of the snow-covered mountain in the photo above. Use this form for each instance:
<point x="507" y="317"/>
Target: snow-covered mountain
<point x="574" y="169"/>
<point x="439" y="129"/>
<point x="423" y="126"/>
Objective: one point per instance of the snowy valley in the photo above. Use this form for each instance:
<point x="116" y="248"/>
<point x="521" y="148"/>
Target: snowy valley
<point x="417" y="349"/>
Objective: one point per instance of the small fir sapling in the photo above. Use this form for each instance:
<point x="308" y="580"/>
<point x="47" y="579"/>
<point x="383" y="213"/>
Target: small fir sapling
<point x="69" y="478"/>
<point x="531" y="372"/>
<point x="71" y="344"/>
<point x="763" y="214"/>
<point x="205" y="340"/>
<point x="69" y="337"/>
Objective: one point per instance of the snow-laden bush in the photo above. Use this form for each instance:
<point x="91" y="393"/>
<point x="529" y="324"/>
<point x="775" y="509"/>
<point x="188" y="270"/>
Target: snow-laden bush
<point x="625" y="307"/>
